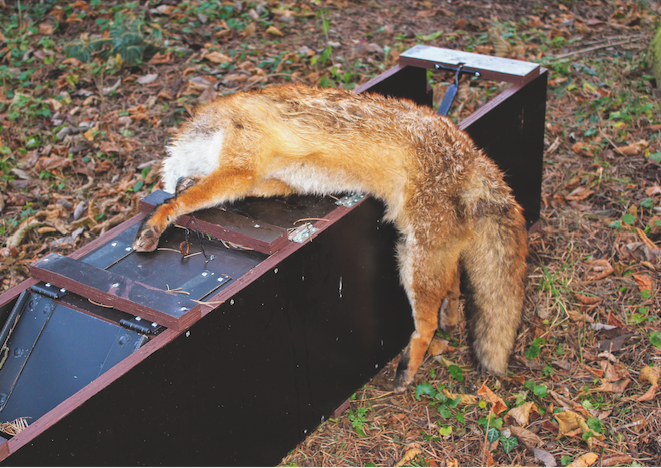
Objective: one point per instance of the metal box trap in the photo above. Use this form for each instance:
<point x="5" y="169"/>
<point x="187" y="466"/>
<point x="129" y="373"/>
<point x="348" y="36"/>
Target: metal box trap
<point x="285" y="307"/>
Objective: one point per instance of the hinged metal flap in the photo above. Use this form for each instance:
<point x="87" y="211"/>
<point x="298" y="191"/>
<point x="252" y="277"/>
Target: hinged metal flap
<point x="115" y="290"/>
<point x="18" y="346"/>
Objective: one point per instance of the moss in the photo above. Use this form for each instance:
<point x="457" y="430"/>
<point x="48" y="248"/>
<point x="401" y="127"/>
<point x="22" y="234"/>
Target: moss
<point x="654" y="57"/>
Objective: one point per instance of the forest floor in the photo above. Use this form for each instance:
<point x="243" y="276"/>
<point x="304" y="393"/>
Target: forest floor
<point x="90" y="91"/>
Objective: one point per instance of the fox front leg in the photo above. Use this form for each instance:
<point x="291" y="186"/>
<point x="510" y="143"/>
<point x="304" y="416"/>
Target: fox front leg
<point x="218" y="187"/>
<point x="152" y="227"/>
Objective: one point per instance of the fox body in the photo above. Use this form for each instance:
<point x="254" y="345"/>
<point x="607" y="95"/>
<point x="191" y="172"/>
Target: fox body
<point x="446" y="198"/>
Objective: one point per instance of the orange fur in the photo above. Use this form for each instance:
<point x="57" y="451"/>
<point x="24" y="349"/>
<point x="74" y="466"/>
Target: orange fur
<point x="447" y="199"/>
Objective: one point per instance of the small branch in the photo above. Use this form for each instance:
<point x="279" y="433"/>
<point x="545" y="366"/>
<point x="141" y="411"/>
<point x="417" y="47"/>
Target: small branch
<point x="597" y="47"/>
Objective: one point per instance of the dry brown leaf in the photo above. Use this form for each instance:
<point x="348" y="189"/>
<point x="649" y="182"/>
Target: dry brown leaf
<point x="500" y="45"/>
<point x="525" y="436"/>
<point x="545" y="457"/>
<point x="464" y="399"/>
<point x="602" y="267"/>
<point x="633" y="148"/>
<point x="644" y="282"/>
<point x="651" y="191"/>
<point x="586" y="300"/>
<point x="585" y="149"/>
<point x="585" y="460"/>
<point x="498" y="405"/>
<point x="408" y="456"/>
<point x="217" y="57"/>
<point x="273" y="31"/>
<point x="521" y="414"/>
<point x="568" y="421"/>
<point x="576" y="316"/>
<point x="617" y="460"/>
<point x="439" y="346"/>
<point x="650" y="374"/>
<point x="579" y="194"/>
<point x="650" y="394"/>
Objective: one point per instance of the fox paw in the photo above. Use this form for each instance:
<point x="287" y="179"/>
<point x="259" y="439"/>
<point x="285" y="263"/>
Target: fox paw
<point x="147" y="239"/>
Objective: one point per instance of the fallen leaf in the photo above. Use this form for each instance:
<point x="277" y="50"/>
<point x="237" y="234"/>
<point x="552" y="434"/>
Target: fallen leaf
<point x="644" y="282"/>
<point x="585" y="460"/>
<point x="273" y="31"/>
<point x="633" y="148"/>
<point x="651" y="191"/>
<point x="439" y="346"/>
<point x="545" y="457"/>
<point x="146" y="79"/>
<point x="464" y="399"/>
<point x="586" y="300"/>
<point x="525" y="436"/>
<point x="650" y="374"/>
<point x="568" y="421"/>
<point x="601" y="267"/>
<point x="650" y="394"/>
<point x="498" y="405"/>
<point x="584" y="149"/>
<point x="408" y="456"/>
<point x="217" y="57"/>
<point x="617" y="460"/>
<point x="579" y="194"/>
<point x="521" y="414"/>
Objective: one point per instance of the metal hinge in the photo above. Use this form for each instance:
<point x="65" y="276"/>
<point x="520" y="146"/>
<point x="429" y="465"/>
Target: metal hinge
<point x="302" y="233"/>
<point x="350" y="200"/>
<point x="139" y="325"/>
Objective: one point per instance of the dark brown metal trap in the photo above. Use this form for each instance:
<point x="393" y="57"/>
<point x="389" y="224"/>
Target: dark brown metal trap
<point x="122" y="358"/>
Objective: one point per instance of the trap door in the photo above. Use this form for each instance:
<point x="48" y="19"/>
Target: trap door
<point x="50" y="351"/>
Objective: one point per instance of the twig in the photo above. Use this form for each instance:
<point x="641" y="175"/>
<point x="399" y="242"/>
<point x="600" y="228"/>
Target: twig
<point x="602" y="46"/>
<point x="601" y="130"/>
<point x="310" y="219"/>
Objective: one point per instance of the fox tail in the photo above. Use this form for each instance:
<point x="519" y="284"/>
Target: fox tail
<point x="494" y="271"/>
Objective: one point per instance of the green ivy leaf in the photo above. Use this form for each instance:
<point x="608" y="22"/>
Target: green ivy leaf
<point x="509" y="444"/>
<point x="629" y="219"/>
<point x="655" y="339"/>
<point x="493" y="434"/>
<point x="456" y="373"/>
<point x="424" y="388"/>
<point x="445" y="430"/>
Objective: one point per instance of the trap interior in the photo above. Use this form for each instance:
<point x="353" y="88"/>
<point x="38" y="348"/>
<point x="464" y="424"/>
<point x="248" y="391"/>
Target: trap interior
<point x="192" y="262"/>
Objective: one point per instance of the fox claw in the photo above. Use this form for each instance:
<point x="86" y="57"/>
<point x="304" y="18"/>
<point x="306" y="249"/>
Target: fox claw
<point x="147" y="241"/>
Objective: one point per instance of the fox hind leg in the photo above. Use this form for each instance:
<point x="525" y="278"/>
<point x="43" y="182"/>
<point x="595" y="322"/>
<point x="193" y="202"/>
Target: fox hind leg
<point x="428" y="279"/>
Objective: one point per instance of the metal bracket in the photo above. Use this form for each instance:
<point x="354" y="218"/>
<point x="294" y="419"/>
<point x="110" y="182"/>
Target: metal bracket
<point x="203" y="284"/>
<point x="108" y="254"/>
<point x="350" y="200"/>
<point x="302" y="233"/>
<point x="452" y="89"/>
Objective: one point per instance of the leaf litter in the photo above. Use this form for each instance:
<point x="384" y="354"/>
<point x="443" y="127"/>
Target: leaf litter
<point x="84" y="118"/>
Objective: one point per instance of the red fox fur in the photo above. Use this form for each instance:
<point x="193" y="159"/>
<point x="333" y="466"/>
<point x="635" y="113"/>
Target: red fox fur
<point x="448" y="200"/>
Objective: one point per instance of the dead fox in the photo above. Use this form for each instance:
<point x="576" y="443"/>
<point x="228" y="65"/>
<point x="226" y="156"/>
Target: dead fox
<point x="447" y="199"/>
